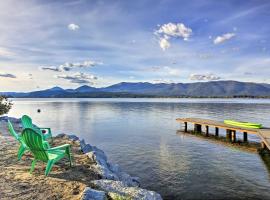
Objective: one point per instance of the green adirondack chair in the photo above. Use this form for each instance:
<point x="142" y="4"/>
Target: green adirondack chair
<point x="27" y="123"/>
<point x="42" y="151"/>
<point x="23" y="148"/>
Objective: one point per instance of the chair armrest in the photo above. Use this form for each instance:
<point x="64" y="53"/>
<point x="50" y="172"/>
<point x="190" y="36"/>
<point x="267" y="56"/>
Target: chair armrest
<point x="60" y="147"/>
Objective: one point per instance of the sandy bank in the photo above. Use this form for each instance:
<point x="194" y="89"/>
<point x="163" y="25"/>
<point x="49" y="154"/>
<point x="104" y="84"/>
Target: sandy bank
<point x="91" y="177"/>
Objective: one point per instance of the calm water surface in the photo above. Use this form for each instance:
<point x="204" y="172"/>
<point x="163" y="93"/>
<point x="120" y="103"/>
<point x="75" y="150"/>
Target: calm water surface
<point x="141" y="135"/>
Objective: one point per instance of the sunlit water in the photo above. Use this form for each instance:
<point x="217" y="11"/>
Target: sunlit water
<point x="141" y="135"/>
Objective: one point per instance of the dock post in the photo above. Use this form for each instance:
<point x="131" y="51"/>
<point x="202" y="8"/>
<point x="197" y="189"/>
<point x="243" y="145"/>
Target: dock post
<point x="197" y="128"/>
<point x="245" y="137"/>
<point x="263" y="145"/>
<point x="228" y="134"/>
<point x="185" y="126"/>
<point x="233" y="136"/>
<point x="217" y="130"/>
<point x="207" y="131"/>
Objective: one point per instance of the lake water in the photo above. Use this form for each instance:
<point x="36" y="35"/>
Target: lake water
<point x="141" y="135"/>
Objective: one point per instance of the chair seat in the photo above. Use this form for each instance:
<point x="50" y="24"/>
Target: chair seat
<point x="55" y="154"/>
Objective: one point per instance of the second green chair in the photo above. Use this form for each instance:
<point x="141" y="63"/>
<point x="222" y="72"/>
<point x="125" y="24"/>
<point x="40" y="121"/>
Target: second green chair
<point x="27" y="123"/>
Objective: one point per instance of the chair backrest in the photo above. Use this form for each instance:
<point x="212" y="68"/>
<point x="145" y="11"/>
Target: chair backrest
<point x="26" y="121"/>
<point x="12" y="131"/>
<point x="35" y="143"/>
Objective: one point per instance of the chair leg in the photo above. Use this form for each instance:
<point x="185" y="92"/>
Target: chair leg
<point x="69" y="156"/>
<point x="21" y="152"/>
<point x="68" y="153"/>
<point x="33" y="166"/>
<point x="49" y="167"/>
<point x="70" y="159"/>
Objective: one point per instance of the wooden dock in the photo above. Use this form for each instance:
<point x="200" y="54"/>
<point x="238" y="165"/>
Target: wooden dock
<point x="263" y="133"/>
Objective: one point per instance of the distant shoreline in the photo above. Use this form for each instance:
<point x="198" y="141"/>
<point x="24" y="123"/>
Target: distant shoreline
<point x="212" y="89"/>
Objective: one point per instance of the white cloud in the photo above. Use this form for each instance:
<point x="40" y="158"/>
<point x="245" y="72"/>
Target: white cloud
<point x="204" y="77"/>
<point x="69" y="66"/>
<point x="223" y="38"/>
<point x="164" y="43"/>
<point x="175" y="30"/>
<point x="73" y="27"/>
<point x="7" y="75"/>
<point x="166" y="31"/>
<point x="79" y="78"/>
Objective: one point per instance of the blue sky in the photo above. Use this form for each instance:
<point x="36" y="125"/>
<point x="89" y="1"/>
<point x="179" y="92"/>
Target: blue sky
<point x="99" y="43"/>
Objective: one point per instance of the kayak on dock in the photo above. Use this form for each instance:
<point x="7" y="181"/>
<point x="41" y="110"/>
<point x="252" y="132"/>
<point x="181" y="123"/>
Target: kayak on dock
<point x="243" y="124"/>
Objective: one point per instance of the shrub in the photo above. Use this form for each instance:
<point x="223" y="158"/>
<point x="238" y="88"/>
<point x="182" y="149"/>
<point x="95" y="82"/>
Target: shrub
<point x="5" y="105"/>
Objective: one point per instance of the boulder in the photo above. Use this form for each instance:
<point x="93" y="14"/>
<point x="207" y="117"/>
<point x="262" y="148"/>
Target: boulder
<point x="82" y="143"/>
<point x="91" y="194"/>
<point x="87" y="148"/>
<point x="98" y="155"/>
<point x="129" y="180"/>
<point x="110" y="171"/>
<point x="61" y="135"/>
<point x="122" y="189"/>
<point x="11" y="119"/>
<point x="102" y="165"/>
<point x="73" y="137"/>
<point x="123" y="176"/>
<point x="4" y="118"/>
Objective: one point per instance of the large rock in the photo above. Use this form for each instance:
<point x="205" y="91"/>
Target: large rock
<point x="61" y="135"/>
<point x="98" y="156"/>
<point x="85" y="148"/>
<point x="122" y="189"/>
<point x="73" y="137"/>
<point x="123" y="176"/>
<point x="102" y="165"/>
<point x="11" y="119"/>
<point x="129" y="180"/>
<point x="106" y="169"/>
<point x="91" y="194"/>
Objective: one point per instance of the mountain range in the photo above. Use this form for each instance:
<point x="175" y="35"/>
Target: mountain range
<point x="146" y="89"/>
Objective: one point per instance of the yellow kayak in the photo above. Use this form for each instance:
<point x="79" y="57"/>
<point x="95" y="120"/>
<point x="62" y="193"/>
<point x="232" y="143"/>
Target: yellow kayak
<point x="243" y="124"/>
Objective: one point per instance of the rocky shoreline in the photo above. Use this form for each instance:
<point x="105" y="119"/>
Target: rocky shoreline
<point x="113" y="183"/>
